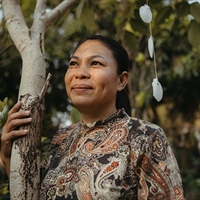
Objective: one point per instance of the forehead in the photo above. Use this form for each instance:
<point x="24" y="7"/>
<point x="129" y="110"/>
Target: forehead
<point x="93" y="46"/>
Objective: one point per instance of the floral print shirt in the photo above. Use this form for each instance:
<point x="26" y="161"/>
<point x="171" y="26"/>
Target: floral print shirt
<point x="118" y="157"/>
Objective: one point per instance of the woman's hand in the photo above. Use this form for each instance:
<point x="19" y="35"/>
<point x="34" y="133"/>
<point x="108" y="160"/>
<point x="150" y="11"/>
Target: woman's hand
<point x="16" y="118"/>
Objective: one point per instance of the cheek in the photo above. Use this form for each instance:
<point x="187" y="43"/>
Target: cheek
<point x="67" y="80"/>
<point x="68" y="76"/>
<point x="108" y="81"/>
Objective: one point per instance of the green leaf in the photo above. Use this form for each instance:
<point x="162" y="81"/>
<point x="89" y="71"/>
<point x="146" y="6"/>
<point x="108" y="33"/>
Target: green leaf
<point x="87" y="18"/>
<point x="194" y="33"/>
<point x="4" y="188"/>
<point x="182" y="9"/>
<point x="130" y="40"/>
<point x="195" y="11"/>
<point x="162" y="14"/>
<point x="1" y="106"/>
<point x="5" y="101"/>
<point x="138" y="25"/>
<point x="140" y="99"/>
<point x="75" y="115"/>
<point x="79" y="9"/>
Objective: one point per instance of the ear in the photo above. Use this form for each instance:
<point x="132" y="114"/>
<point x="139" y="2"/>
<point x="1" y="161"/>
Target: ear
<point x="123" y="80"/>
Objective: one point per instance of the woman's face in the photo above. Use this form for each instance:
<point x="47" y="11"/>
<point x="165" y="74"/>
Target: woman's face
<point x="91" y="80"/>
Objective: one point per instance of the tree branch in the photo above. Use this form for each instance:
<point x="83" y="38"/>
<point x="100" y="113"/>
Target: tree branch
<point x="38" y="12"/>
<point x="45" y="87"/>
<point x="58" y="11"/>
<point x="15" y="22"/>
<point x="5" y="49"/>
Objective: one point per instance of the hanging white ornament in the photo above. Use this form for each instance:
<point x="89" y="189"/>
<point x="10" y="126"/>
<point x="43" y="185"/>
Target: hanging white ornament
<point x="145" y="13"/>
<point x="157" y="89"/>
<point x="151" y="46"/>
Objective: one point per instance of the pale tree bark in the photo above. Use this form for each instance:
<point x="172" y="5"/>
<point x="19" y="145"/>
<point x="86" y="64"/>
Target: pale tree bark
<point x="25" y="158"/>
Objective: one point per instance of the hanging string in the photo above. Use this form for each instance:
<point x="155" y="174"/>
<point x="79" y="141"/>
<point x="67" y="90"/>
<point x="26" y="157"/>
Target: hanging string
<point x="146" y="16"/>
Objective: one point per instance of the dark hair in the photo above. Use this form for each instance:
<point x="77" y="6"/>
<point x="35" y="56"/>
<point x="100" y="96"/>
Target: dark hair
<point x="122" y="59"/>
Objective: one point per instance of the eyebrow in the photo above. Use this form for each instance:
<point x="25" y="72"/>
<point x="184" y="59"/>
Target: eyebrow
<point x="91" y="57"/>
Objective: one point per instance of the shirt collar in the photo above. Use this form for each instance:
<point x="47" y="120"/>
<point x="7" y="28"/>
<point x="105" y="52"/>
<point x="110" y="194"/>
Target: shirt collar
<point x="111" y="119"/>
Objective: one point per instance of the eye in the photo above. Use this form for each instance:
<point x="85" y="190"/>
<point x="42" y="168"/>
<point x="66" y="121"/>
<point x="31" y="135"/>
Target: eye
<point x="72" y="63"/>
<point x="96" y="63"/>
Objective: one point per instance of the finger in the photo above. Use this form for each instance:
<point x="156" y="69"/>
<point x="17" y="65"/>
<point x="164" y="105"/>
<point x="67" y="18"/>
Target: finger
<point x="7" y="138"/>
<point x="16" y="107"/>
<point x="17" y="133"/>
<point x="13" y="110"/>
<point x="18" y="115"/>
<point x="20" y="122"/>
<point x="13" y="124"/>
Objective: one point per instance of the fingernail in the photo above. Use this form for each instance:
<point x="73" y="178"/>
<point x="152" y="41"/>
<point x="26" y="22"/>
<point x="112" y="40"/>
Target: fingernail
<point x="27" y="112"/>
<point x="25" y="131"/>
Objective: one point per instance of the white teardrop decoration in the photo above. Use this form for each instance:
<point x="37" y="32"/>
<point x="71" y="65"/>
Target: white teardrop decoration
<point x="145" y="13"/>
<point x="157" y="89"/>
<point x="151" y="46"/>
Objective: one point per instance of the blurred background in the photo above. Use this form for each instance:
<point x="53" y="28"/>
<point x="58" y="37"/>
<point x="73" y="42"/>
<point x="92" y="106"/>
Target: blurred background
<point x="176" y="33"/>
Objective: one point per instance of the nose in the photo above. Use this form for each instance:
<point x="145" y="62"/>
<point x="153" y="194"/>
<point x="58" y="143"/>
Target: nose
<point x="82" y="73"/>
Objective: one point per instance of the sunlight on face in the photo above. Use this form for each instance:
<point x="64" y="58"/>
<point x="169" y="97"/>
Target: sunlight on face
<point x="91" y="80"/>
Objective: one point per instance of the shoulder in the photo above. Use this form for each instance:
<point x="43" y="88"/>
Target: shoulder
<point x="141" y="127"/>
<point x="148" y="138"/>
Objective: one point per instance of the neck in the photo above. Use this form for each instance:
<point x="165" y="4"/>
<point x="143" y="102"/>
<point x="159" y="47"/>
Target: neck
<point x="93" y="116"/>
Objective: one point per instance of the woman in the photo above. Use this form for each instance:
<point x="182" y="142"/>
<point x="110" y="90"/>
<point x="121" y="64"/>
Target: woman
<point x="107" y="155"/>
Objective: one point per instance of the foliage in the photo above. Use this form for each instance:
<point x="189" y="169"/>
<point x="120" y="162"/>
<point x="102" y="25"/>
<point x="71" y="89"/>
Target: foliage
<point x="4" y="191"/>
<point x="3" y="184"/>
<point x="176" y="29"/>
<point x="2" y="110"/>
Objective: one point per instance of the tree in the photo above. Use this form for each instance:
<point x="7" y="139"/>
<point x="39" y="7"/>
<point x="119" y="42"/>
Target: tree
<point x="25" y="158"/>
<point x="177" y="61"/>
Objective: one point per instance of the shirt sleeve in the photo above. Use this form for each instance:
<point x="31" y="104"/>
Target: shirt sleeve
<point x="157" y="170"/>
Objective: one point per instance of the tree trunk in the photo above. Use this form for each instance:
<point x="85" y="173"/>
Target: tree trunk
<point x="25" y="157"/>
<point x="25" y="160"/>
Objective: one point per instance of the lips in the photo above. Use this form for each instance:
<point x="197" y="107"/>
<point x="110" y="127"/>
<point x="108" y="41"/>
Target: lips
<point x="81" y="87"/>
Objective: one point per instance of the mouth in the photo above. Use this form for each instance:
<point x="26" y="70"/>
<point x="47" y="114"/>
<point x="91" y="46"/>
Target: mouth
<point x="81" y="87"/>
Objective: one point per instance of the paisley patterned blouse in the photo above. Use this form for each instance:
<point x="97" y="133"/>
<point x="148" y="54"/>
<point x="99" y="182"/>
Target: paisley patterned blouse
<point x="118" y="157"/>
